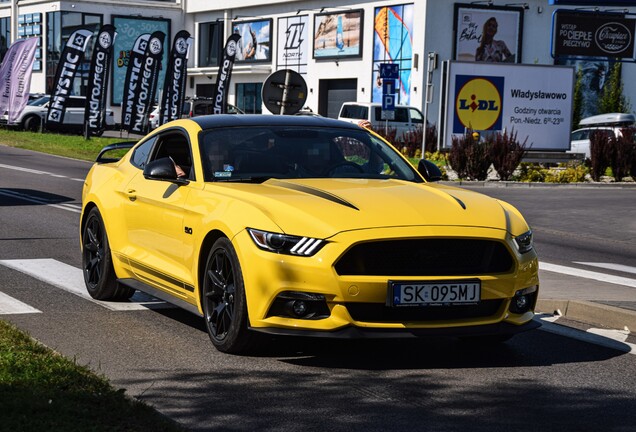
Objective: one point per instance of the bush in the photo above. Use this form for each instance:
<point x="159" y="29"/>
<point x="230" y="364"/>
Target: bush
<point x="431" y="138"/>
<point x="530" y="172"/>
<point x="506" y="153"/>
<point x="411" y="142"/>
<point x="599" y="154"/>
<point x="457" y="157"/>
<point x="571" y="173"/>
<point x="469" y="158"/>
<point x="622" y="153"/>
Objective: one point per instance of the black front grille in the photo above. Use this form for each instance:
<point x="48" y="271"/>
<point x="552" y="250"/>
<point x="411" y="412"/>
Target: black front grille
<point x="425" y="257"/>
<point x="377" y="312"/>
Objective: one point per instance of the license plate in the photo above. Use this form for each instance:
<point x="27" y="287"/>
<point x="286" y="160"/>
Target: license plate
<point x="434" y="293"/>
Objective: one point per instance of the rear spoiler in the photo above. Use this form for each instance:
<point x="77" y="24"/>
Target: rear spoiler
<point x="117" y="146"/>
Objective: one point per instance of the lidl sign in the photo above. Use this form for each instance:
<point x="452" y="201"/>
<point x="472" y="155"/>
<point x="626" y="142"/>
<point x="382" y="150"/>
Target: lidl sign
<point x="478" y="103"/>
<point x="533" y="100"/>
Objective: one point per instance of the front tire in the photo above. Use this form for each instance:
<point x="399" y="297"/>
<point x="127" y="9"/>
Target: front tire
<point x="97" y="265"/>
<point x="223" y="300"/>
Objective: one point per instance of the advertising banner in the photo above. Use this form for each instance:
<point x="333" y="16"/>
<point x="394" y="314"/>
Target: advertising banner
<point x="393" y="43"/>
<point x="534" y="100"/>
<point x="338" y="34"/>
<point x="147" y="88"/>
<point x="129" y="28"/>
<point x="256" y="41"/>
<point x="98" y="77"/>
<point x="488" y="33"/>
<point x="225" y="73"/>
<point x="67" y="67"/>
<point x="133" y="74"/>
<point x="293" y="43"/>
<point x="15" y="77"/>
<point x="175" y="81"/>
<point x="580" y="34"/>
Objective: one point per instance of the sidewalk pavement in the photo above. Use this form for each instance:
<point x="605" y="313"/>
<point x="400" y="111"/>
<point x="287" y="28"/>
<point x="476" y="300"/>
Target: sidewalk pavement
<point x="588" y="301"/>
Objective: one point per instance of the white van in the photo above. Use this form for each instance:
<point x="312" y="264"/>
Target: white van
<point x="406" y="118"/>
<point x="609" y="124"/>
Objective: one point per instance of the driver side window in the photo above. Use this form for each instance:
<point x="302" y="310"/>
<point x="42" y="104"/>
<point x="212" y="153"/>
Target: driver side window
<point x="175" y="145"/>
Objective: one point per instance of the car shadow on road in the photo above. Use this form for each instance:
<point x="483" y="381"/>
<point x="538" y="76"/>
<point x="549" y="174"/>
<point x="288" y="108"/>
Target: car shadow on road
<point x="10" y="197"/>
<point x="533" y="348"/>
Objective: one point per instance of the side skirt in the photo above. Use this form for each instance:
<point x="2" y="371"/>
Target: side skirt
<point x="135" y="284"/>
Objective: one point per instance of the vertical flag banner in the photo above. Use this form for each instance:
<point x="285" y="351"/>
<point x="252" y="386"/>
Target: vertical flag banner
<point x="15" y="77"/>
<point x="174" y="86"/>
<point x="71" y="58"/>
<point x="225" y="73"/>
<point x="145" y="92"/>
<point x="133" y="73"/>
<point x="95" y="113"/>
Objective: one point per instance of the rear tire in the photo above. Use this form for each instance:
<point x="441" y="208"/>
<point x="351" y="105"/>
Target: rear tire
<point x="223" y="300"/>
<point x="97" y="265"/>
<point x="32" y="123"/>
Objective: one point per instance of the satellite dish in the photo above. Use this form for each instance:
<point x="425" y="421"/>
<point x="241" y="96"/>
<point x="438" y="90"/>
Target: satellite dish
<point x="284" y="92"/>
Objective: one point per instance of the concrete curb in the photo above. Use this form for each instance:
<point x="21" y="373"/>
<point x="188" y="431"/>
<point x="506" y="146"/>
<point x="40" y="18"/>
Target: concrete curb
<point x="590" y="313"/>
<point x="508" y="184"/>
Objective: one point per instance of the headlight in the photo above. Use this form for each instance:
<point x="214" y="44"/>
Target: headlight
<point x="286" y="244"/>
<point x="524" y="242"/>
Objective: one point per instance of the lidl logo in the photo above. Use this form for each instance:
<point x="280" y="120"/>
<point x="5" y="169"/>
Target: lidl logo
<point x="478" y="103"/>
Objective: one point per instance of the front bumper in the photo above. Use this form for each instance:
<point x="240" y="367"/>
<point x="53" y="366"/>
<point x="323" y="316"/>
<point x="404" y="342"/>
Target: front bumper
<point x="353" y="300"/>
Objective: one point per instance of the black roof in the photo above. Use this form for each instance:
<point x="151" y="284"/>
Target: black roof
<point x="229" y="120"/>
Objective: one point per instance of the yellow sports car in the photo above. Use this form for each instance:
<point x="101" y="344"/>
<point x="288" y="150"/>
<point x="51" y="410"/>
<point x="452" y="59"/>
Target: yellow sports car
<point x="298" y="225"/>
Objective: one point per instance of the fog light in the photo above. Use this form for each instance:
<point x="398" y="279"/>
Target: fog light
<point x="521" y="302"/>
<point x="299" y="308"/>
<point x="299" y="305"/>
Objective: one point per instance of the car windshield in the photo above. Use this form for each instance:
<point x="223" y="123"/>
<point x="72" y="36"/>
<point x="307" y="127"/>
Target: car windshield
<point x="258" y="153"/>
<point x="39" y="101"/>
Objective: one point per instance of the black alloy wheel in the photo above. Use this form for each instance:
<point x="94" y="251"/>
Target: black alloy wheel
<point x="99" y="275"/>
<point x="223" y="299"/>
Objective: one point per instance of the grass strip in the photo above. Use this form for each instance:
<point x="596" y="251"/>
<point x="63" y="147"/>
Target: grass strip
<point x="41" y="390"/>
<point x="73" y="146"/>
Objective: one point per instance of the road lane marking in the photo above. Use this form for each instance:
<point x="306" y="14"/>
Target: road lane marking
<point x="592" y="336"/>
<point x="71" y="279"/>
<point x="610" y="266"/>
<point x="38" y="172"/>
<point x="75" y="208"/>
<point x="586" y="274"/>
<point x="11" y="306"/>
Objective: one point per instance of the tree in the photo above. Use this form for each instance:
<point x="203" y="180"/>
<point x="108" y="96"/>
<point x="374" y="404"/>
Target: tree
<point x="612" y="98"/>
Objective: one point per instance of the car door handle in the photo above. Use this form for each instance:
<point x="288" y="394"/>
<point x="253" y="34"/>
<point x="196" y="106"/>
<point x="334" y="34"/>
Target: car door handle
<point x="131" y="194"/>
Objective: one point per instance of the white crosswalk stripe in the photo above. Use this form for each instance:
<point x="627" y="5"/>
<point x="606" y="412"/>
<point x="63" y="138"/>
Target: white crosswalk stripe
<point x="586" y="274"/>
<point x="9" y="306"/>
<point x="610" y="266"/>
<point x="71" y="279"/>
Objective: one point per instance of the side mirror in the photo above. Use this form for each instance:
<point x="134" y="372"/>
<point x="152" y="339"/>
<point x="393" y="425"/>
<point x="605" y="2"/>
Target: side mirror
<point x="429" y="170"/>
<point x="162" y="169"/>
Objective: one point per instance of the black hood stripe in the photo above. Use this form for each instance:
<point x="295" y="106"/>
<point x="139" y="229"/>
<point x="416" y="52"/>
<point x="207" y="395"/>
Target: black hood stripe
<point x="316" y="192"/>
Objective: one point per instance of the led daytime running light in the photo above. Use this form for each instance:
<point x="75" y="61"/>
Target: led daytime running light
<point x="286" y="244"/>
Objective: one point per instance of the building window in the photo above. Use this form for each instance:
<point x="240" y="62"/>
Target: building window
<point x="59" y="26"/>
<point x="210" y="43"/>
<point x="248" y="97"/>
<point x="5" y="36"/>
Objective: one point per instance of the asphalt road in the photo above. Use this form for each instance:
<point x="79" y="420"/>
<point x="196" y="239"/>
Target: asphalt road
<point x="546" y="379"/>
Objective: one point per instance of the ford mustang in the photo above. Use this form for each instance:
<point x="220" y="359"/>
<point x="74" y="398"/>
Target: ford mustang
<point x="299" y="225"/>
